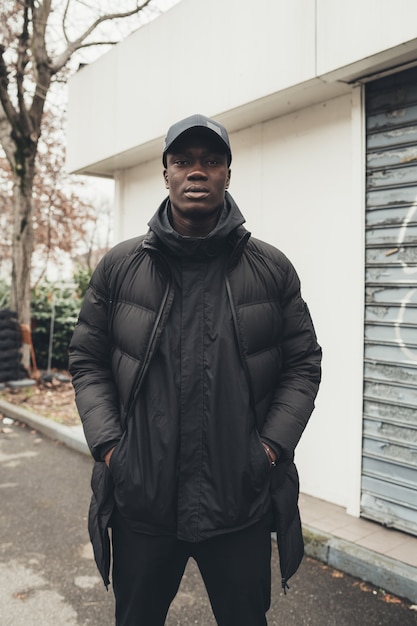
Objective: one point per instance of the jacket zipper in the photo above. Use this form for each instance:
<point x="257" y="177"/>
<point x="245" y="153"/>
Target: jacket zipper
<point x="151" y="346"/>
<point x="239" y="343"/>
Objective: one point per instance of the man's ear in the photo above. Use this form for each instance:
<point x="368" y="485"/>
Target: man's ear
<point x="165" y="174"/>
<point x="229" y="174"/>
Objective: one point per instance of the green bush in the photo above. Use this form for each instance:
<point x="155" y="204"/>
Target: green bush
<point x="54" y="316"/>
<point x="4" y="295"/>
<point x="82" y="279"/>
<point x="54" y="308"/>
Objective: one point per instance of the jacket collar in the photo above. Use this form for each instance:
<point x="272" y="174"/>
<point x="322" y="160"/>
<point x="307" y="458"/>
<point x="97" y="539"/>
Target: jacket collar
<point x="227" y="233"/>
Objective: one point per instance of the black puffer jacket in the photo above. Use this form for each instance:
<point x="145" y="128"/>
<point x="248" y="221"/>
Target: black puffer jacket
<point x="115" y="358"/>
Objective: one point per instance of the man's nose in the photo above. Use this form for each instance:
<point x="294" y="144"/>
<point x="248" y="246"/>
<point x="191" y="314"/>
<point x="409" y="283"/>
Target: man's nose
<point x="197" y="171"/>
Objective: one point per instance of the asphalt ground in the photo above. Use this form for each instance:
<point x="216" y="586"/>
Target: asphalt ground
<point x="48" y="576"/>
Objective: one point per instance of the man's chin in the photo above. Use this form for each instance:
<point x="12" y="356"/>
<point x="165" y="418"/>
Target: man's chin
<point x="199" y="212"/>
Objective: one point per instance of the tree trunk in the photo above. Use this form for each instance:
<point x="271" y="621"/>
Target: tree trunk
<point x="22" y="246"/>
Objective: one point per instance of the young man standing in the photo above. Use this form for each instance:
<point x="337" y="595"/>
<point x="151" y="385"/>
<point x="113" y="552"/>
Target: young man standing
<point x="196" y="366"/>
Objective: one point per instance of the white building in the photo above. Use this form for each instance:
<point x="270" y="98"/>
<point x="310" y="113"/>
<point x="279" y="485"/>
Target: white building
<point x="321" y="105"/>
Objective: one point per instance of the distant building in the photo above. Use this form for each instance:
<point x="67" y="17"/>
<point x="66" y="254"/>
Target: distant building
<point x="321" y="102"/>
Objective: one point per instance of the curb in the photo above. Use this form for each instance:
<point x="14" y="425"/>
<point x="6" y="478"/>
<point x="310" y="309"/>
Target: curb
<point x="71" y="436"/>
<point x="381" y="571"/>
<point x="388" y="574"/>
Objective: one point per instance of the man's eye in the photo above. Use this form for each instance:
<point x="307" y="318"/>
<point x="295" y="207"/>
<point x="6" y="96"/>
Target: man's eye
<point x="212" y="162"/>
<point x="181" y="162"/>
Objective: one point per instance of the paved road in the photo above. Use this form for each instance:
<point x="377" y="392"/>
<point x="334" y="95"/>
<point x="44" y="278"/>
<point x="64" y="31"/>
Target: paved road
<point x="48" y="577"/>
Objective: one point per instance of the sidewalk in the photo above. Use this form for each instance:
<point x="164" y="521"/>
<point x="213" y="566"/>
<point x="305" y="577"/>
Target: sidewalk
<point x="384" y="557"/>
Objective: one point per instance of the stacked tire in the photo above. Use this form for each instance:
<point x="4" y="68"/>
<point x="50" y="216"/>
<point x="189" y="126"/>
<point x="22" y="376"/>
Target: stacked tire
<point x="11" y="367"/>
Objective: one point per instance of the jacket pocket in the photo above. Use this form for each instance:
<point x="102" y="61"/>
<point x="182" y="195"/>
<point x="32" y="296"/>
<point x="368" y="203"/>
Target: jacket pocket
<point x="117" y="462"/>
<point x="259" y="463"/>
<point x="101" y="507"/>
<point x="284" y="493"/>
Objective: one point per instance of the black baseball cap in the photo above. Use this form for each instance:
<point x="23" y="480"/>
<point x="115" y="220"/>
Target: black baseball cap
<point x="197" y="121"/>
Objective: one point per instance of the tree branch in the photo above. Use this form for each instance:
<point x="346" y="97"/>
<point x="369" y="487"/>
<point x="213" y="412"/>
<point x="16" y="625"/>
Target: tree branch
<point x="78" y="43"/>
<point x="41" y="63"/>
<point x="8" y="108"/>
<point x="40" y="16"/>
<point x="97" y="43"/>
<point x="6" y="140"/>
<point x="21" y="63"/>
<point x="64" y="19"/>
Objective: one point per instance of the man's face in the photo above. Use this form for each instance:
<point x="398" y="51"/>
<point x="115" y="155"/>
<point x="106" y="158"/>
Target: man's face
<point x="197" y="176"/>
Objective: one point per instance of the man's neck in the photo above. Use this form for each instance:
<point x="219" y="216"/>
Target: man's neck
<point x="189" y="227"/>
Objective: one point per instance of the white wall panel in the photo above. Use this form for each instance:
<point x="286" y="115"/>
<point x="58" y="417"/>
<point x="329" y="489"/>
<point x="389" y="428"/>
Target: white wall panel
<point x="348" y="32"/>
<point x="231" y="60"/>
<point x="139" y="191"/>
<point x="197" y="57"/>
<point x="295" y="188"/>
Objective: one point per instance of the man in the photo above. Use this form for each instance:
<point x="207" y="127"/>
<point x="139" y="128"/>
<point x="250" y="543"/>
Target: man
<point x="196" y="366"/>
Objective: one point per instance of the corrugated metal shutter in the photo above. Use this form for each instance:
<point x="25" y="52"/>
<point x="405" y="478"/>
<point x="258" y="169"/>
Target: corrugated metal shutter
<point x="389" y="467"/>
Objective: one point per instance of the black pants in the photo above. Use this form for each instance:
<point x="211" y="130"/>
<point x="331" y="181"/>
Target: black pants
<point x="147" y="571"/>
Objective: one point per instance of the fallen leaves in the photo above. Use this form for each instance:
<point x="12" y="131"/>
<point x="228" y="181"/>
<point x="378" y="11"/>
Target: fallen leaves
<point x="387" y="597"/>
<point x="54" y="400"/>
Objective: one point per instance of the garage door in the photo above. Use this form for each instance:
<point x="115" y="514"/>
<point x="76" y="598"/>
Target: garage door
<point x="389" y="474"/>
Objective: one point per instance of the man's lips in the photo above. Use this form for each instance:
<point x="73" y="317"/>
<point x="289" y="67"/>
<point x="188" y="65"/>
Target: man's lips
<point x="196" y="192"/>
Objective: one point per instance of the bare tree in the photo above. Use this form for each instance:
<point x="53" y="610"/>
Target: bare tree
<point x="39" y="38"/>
<point x="63" y="212"/>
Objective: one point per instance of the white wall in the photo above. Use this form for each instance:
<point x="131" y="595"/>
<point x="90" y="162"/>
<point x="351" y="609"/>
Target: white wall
<point x="197" y="57"/>
<point x="318" y="221"/>
<point x="240" y="62"/>
<point x="293" y="180"/>
<point x="355" y="31"/>
<point x="301" y="189"/>
<point x="139" y="191"/>
<point x="272" y="76"/>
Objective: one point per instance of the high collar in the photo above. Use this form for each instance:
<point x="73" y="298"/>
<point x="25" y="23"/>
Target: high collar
<point x="199" y="247"/>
